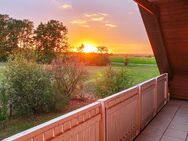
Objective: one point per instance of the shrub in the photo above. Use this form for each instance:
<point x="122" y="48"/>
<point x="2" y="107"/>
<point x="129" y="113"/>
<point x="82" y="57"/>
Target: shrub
<point x="68" y="76"/>
<point x="3" y="104"/>
<point x="113" y="81"/>
<point x="28" y="86"/>
<point x="93" y="59"/>
<point x="3" y="107"/>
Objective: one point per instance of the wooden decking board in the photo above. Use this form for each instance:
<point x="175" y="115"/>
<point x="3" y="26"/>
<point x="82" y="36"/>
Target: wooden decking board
<point x="171" y="124"/>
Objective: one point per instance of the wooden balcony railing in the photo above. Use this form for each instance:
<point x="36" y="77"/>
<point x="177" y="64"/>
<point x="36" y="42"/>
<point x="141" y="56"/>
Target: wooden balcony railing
<point x="116" y="118"/>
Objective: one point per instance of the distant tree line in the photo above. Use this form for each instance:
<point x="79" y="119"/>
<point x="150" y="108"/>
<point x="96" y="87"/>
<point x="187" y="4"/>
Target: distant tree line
<point x="47" y="40"/>
<point x="101" y="58"/>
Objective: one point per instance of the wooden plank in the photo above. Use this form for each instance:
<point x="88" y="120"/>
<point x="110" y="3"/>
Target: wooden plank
<point x="148" y="96"/>
<point x="148" y="6"/>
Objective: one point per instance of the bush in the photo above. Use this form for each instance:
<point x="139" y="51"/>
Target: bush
<point x="68" y="76"/>
<point x="3" y="104"/>
<point x="92" y="59"/>
<point x="3" y="107"/>
<point x="28" y="86"/>
<point x="112" y="82"/>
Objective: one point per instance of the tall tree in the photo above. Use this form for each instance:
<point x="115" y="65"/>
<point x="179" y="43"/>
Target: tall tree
<point x="50" y="39"/>
<point x="3" y="36"/>
<point x="26" y="34"/>
<point x="15" y="34"/>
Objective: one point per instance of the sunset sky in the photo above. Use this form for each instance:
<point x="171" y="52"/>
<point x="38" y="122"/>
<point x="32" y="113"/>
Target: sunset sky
<point x="116" y="24"/>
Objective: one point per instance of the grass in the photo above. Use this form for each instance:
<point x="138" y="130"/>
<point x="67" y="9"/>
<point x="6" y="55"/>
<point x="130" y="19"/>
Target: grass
<point x="137" y="72"/>
<point x="133" y="60"/>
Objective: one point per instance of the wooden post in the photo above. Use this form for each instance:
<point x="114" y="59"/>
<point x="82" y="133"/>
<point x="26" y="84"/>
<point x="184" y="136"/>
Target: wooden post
<point x="103" y="122"/>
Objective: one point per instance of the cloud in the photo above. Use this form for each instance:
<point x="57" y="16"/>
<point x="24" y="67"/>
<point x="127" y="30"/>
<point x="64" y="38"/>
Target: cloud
<point x="88" y="18"/>
<point x="90" y="15"/>
<point x="86" y="26"/>
<point x="66" y="6"/>
<point x="110" y="25"/>
<point x="97" y="19"/>
<point x="80" y="22"/>
<point x="103" y="14"/>
<point x="96" y="16"/>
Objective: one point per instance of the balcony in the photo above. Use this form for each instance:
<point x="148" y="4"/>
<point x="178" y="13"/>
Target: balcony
<point x="171" y="124"/>
<point x="121" y="117"/>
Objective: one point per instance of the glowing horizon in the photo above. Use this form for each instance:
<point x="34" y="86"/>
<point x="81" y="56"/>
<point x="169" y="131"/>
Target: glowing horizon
<point x="89" y="48"/>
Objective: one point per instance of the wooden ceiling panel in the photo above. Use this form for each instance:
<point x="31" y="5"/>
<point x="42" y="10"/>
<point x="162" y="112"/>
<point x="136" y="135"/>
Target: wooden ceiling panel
<point x="169" y="40"/>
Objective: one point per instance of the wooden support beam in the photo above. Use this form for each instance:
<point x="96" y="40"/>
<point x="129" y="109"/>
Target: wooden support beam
<point x="148" y="6"/>
<point x="156" y="37"/>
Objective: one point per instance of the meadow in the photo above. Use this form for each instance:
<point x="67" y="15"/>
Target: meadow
<point x="133" y="60"/>
<point x="137" y="72"/>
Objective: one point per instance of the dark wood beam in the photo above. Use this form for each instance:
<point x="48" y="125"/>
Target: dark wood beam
<point x="156" y="37"/>
<point x="148" y="6"/>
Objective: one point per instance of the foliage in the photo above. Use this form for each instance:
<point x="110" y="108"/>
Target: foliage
<point x="112" y="82"/>
<point x="102" y="49"/>
<point x="137" y="73"/>
<point x="94" y="59"/>
<point x="68" y="74"/>
<point x="3" y="103"/>
<point x="126" y="60"/>
<point x="28" y="86"/>
<point x="81" y="48"/>
<point x="14" y="34"/>
<point x="50" y="39"/>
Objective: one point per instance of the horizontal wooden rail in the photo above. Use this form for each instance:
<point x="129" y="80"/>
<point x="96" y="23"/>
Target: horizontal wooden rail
<point x="119" y="117"/>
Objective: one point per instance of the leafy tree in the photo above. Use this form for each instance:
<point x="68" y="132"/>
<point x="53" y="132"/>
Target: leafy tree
<point x="15" y="34"/>
<point x="25" y="38"/>
<point x="50" y="39"/>
<point x="102" y="49"/>
<point x="68" y="74"/>
<point x="28" y="86"/>
<point x="3" y="37"/>
<point x="113" y="81"/>
<point x="3" y="103"/>
<point x="81" y="48"/>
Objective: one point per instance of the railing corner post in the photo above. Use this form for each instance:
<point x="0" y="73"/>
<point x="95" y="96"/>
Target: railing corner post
<point x="103" y="121"/>
<point x="167" y="94"/>
<point x="155" y="97"/>
<point x="140" y="108"/>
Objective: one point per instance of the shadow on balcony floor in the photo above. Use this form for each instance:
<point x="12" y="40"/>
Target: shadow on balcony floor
<point x="171" y="124"/>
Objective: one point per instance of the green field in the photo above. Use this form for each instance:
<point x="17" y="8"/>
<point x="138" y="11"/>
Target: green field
<point x="138" y="73"/>
<point x="133" y="60"/>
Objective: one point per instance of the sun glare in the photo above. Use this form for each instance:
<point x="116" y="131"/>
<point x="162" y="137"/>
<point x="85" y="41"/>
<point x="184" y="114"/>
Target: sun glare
<point x="88" y="48"/>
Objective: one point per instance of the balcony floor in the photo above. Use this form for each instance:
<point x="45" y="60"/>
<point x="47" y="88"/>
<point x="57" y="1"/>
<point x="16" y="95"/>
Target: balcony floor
<point x="171" y="124"/>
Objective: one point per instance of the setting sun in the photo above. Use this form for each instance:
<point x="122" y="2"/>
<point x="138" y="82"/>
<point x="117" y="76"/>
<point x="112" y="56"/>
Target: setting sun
<point x="88" y="48"/>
